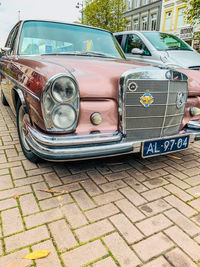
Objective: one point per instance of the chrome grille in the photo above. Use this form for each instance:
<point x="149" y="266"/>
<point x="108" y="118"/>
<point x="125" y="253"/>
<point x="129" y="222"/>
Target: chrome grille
<point x="162" y="117"/>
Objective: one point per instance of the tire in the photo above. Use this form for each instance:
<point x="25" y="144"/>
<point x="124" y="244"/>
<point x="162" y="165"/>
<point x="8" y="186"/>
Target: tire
<point x="3" y="99"/>
<point x="20" y="112"/>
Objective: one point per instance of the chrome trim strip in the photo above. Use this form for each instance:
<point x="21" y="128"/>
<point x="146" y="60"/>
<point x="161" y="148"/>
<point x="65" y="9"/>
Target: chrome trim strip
<point x="168" y="126"/>
<point x="166" y="108"/>
<point x="174" y="115"/>
<point x="171" y="104"/>
<point x="20" y="86"/>
<point x="71" y="139"/>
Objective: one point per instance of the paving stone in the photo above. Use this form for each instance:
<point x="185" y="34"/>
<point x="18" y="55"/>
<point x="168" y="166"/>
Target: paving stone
<point x="39" y="171"/>
<point x="155" y="207"/>
<point x="62" y="235"/>
<point x="105" y="263"/>
<point x="43" y="217"/>
<point x="129" y="210"/>
<point x="12" y="221"/>
<point x="140" y="177"/>
<point x="121" y="251"/>
<point x="61" y="170"/>
<point x="180" y="205"/>
<point x="74" y="178"/>
<point x="183" y="222"/>
<point x="84" y="254"/>
<point x="178" y="192"/>
<point x="159" y="262"/>
<point x="117" y="175"/>
<point x="174" y="180"/>
<point x="154" y="224"/>
<point x="194" y="180"/>
<point x="155" y="194"/>
<point x="195" y="204"/>
<point x="197" y="239"/>
<point x="52" y="179"/>
<point x="108" y="197"/>
<point x="28" y="165"/>
<point x="126" y="228"/>
<point x="184" y="242"/>
<point x="101" y="212"/>
<point x="7" y="203"/>
<point x="139" y="187"/>
<point x="29" y="180"/>
<point x="192" y="172"/>
<point x="54" y="202"/>
<point x="83" y="200"/>
<point x="40" y="194"/>
<point x="28" y="204"/>
<point x="91" y="188"/>
<point x="68" y="187"/>
<point x="119" y="166"/>
<point x="195" y="191"/>
<point x="16" y="259"/>
<point x="133" y="196"/>
<point x="97" y="177"/>
<point x="74" y="215"/>
<point x="26" y="238"/>
<point x="94" y="230"/>
<point x="18" y="172"/>
<point x="179" y="259"/>
<point x="5" y="182"/>
<point x="52" y="259"/>
<point x="153" y="246"/>
<point x="154" y="183"/>
<point x="176" y="172"/>
<point x="112" y="185"/>
<point x="4" y="171"/>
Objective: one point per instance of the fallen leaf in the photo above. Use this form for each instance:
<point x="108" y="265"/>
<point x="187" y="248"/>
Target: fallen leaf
<point x="59" y="197"/>
<point x="173" y="157"/>
<point x="38" y="254"/>
<point x="16" y="196"/>
<point x="54" y="191"/>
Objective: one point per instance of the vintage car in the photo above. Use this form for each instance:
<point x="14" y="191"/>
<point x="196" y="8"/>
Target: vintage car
<point x="75" y="95"/>
<point x="158" y="48"/>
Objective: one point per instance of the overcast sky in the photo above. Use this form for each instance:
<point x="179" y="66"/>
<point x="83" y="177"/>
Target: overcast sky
<point x="61" y="10"/>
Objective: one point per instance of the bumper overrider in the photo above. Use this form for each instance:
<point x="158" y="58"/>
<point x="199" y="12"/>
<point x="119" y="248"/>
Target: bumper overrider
<point x="72" y="147"/>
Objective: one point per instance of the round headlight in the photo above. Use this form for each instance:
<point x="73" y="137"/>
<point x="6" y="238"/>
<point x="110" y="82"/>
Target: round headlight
<point x="63" y="116"/>
<point x="64" y="89"/>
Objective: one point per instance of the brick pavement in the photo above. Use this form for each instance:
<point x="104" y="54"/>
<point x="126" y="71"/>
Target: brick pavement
<point x="121" y="211"/>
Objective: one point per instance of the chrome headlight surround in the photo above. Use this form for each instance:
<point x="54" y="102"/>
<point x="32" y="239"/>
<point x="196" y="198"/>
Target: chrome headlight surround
<point x="52" y="101"/>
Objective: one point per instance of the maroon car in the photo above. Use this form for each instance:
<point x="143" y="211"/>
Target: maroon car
<point x="75" y="95"/>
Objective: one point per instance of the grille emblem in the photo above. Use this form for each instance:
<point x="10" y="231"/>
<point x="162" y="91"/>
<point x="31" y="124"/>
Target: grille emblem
<point x="146" y="100"/>
<point x="132" y="86"/>
<point x="180" y="100"/>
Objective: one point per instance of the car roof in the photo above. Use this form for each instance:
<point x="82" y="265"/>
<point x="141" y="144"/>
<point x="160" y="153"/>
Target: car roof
<point x="64" y="22"/>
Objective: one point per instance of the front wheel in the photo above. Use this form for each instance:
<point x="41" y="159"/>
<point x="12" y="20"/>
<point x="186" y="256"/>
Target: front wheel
<point x="21" y="112"/>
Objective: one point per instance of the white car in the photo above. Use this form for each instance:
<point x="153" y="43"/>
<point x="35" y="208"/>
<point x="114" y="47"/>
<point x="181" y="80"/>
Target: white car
<point x="158" y="48"/>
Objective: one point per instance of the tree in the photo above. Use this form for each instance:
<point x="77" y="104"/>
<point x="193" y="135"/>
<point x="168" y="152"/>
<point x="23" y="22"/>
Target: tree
<point x="106" y="14"/>
<point x="192" y="14"/>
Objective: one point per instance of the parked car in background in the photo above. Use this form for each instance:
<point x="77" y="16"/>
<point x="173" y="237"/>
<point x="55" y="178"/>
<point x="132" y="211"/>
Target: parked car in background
<point x="75" y="96"/>
<point x="158" y="48"/>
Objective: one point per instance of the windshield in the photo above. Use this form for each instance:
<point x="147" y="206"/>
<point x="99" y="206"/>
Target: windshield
<point x="165" y="41"/>
<point x="38" y="37"/>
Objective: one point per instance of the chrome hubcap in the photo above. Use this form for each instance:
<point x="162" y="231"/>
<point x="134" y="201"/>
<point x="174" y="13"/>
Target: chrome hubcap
<point x="22" y="128"/>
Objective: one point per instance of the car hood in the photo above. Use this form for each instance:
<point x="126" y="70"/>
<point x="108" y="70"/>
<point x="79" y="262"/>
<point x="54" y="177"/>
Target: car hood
<point x="96" y="77"/>
<point x="184" y="58"/>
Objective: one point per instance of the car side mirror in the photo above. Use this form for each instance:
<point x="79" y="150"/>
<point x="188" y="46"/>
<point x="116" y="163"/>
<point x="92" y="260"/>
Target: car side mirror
<point x="137" y="51"/>
<point x="5" y="51"/>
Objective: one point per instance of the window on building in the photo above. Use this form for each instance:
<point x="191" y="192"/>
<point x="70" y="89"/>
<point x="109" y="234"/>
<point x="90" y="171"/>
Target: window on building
<point x="137" y="3"/>
<point x="180" y="20"/>
<point x="144" y="23"/>
<point x="146" y="2"/>
<point x="129" y="4"/>
<point x="136" y="24"/>
<point x="134" y="41"/>
<point x="168" y="20"/>
<point x="153" y="22"/>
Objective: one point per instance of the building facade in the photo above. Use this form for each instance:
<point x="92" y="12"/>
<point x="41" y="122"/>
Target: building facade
<point x="143" y="14"/>
<point x="173" y="21"/>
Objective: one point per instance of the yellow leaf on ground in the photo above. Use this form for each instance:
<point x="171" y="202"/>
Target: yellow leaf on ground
<point x="38" y="254"/>
<point x="16" y="196"/>
<point x="59" y="197"/>
<point x="173" y="157"/>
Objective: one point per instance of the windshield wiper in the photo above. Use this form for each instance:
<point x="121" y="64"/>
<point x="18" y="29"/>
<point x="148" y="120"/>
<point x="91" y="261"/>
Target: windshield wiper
<point x="81" y="53"/>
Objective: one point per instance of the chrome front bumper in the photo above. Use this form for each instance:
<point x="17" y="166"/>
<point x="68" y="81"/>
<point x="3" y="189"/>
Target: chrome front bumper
<point x="73" y="147"/>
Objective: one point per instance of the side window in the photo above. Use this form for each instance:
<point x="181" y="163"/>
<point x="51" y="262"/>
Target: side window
<point x="119" y="38"/>
<point x="11" y="39"/>
<point x="133" y="41"/>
